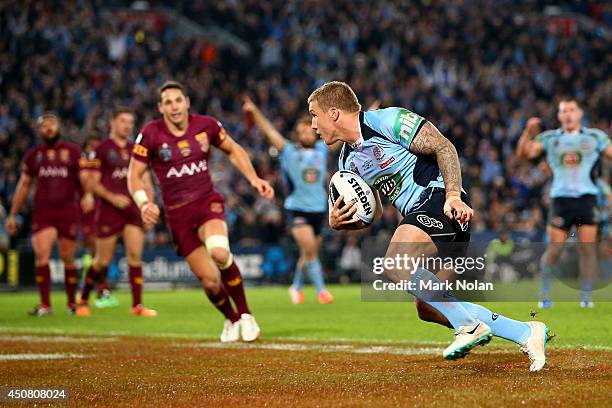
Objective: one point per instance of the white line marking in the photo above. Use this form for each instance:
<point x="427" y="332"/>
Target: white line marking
<point x="56" y="356"/>
<point x="57" y="339"/>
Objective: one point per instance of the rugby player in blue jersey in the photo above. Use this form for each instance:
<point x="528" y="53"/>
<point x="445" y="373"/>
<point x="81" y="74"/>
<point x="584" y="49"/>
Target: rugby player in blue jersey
<point x="573" y="152"/>
<point x="304" y="168"/>
<point x="403" y="156"/>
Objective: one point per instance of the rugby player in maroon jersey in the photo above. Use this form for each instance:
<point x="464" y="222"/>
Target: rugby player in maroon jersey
<point x="117" y="213"/>
<point x="57" y="168"/>
<point x="177" y="148"/>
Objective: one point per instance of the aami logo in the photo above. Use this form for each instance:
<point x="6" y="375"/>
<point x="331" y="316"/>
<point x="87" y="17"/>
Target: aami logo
<point x="52" y="171"/>
<point x="187" y="169"/>
<point x="120" y="173"/>
<point x="361" y="195"/>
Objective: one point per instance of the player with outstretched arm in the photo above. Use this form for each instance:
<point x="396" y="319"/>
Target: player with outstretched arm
<point x="401" y="154"/>
<point x="177" y="148"/>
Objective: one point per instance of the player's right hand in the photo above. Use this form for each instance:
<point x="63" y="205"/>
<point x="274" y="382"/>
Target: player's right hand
<point x="11" y="224"/>
<point x="341" y="218"/>
<point x="248" y="106"/>
<point x="149" y="212"/>
<point x="533" y="125"/>
<point x="121" y="201"/>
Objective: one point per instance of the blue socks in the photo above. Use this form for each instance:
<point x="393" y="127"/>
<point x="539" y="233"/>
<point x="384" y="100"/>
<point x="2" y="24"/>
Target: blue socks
<point x="586" y="291"/>
<point x="545" y="292"/>
<point x="298" y="278"/>
<point x="315" y="273"/>
<point x="503" y="327"/>
<point x="451" y="309"/>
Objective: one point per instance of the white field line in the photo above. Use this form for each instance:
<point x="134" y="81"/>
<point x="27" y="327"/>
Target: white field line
<point x="55" y="356"/>
<point x="56" y="339"/>
<point x="91" y="335"/>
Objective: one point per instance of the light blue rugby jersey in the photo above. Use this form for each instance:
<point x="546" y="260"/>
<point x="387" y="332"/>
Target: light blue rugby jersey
<point x="304" y="171"/>
<point x="383" y="160"/>
<point x="572" y="158"/>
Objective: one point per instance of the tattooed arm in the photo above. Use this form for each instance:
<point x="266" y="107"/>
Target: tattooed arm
<point x="429" y="141"/>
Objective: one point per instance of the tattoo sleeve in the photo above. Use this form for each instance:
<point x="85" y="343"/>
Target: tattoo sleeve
<point x="429" y="141"/>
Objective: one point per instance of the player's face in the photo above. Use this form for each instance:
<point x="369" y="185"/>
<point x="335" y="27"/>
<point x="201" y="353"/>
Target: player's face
<point x="174" y="106"/>
<point x="306" y="136"/>
<point x="123" y="125"/>
<point x="322" y="123"/>
<point x="49" y="129"/>
<point x="569" y="115"/>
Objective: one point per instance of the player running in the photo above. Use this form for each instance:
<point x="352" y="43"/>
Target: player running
<point x="572" y="151"/>
<point x="57" y="168"/>
<point x="177" y="147"/>
<point x="405" y="157"/>
<point x="304" y="166"/>
<point x="116" y="214"/>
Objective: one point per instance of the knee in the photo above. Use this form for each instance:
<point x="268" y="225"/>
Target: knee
<point x="210" y="284"/>
<point x="67" y="259"/>
<point x="219" y="250"/>
<point x="587" y="249"/>
<point x="134" y="259"/>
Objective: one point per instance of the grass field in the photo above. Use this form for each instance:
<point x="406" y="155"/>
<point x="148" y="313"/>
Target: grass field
<point x="347" y="353"/>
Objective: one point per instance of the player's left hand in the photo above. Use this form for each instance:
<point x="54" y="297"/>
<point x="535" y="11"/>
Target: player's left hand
<point x="263" y="188"/>
<point x="150" y="214"/>
<point x="87" y="202"/>
<point x="455" y="209"/>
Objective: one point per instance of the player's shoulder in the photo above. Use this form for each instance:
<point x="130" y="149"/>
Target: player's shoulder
<point x="152" y="127"/>
<point x="596" y="132"/>
<point x="395" y="123"/>
<point x="548" y="134"/>
<point x="204" y="120"/>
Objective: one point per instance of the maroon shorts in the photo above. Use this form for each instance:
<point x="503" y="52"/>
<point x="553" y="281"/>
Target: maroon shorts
<point x="185" y="221"/>
<point x="65" y="221"/>
<point x="111" y="220"/>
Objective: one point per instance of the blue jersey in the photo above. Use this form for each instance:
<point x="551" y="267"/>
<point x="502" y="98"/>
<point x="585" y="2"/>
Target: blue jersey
<point x="383" y="160"/>
<point x="572" y="158"/>
<point x="304" y="170"/>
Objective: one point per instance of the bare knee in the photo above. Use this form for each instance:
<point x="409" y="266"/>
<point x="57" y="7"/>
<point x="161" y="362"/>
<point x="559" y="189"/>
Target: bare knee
<point x="210" y="284"/>
<point x="134" y="258"/>
<point x="220" y="256"/>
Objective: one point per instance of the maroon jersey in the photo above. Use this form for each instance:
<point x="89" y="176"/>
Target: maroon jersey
<point x="112" y="162"/>
<point x="56" y="171"/>
<point x="180" y="162"/>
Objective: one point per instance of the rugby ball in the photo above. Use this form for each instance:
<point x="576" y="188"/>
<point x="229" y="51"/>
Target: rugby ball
<point x="353" y="188"/>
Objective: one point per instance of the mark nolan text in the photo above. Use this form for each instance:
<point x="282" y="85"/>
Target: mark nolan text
<point x="406" y="285"/>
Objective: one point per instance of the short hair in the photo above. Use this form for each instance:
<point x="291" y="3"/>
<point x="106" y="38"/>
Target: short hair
<point x="122" y="109"/>
<point x="567" y="99"/>
<point x="303" y="119"/>
<point x="47" y="115"/>
<point x="335" y="94"/>
<point x="170" y="85"/>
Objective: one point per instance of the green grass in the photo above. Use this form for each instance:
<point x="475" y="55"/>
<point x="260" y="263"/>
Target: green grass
<point x="187" y="313"/>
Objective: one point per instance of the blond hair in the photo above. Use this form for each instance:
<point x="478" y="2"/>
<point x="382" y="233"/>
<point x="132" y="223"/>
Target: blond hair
<point x="335" y="94"/>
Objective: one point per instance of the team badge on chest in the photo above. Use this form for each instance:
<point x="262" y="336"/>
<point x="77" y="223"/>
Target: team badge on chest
<point x="165" y="153"/>
<point x="184" y="148"/>
<point x="202" y="139"/>
<point x="64" y="155"/>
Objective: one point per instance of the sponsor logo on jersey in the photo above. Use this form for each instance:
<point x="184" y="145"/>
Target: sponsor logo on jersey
<point x="217" y="208"/>
<point x="184" y="148"/>
<point x="187" y="169"/>
<point x="165" y="153"/>
<point x="361" y="195"/>
<point x="387" y="163"/>
<point x="571" y="159"/>
<point x="353" y="167"/>
<point x="125" y="155"/>
<point x="64" y="155"/>
<point x="51" y="154"/>
<point x="140" y="150"/>
<point x="367" y="165"/>
<point x="429" y="222"/>
<point x="378" y="152"/>
<point x="202" y="139"/>
<point x="39" y="157"/>
<point x="120" y="173"/>
<point x="113" y="156"/>
<point x="390" y="185"/>
<point x="406" y="124"/>
<point x="310" y="175"/>
<point x="53" y="171"/>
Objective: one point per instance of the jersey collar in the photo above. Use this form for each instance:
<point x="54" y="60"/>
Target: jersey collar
<point x="358" y="145"/>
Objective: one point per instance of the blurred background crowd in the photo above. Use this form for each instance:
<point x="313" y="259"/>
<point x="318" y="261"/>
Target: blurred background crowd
<point x="477" y="69"/>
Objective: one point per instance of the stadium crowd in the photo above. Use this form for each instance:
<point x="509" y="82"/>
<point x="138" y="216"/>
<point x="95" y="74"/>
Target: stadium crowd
<point x="476" y="69"/>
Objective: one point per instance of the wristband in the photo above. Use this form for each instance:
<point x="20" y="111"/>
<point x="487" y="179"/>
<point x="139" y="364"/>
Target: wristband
<point x="140" y="197"/>
<point x="455" y="194"/>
